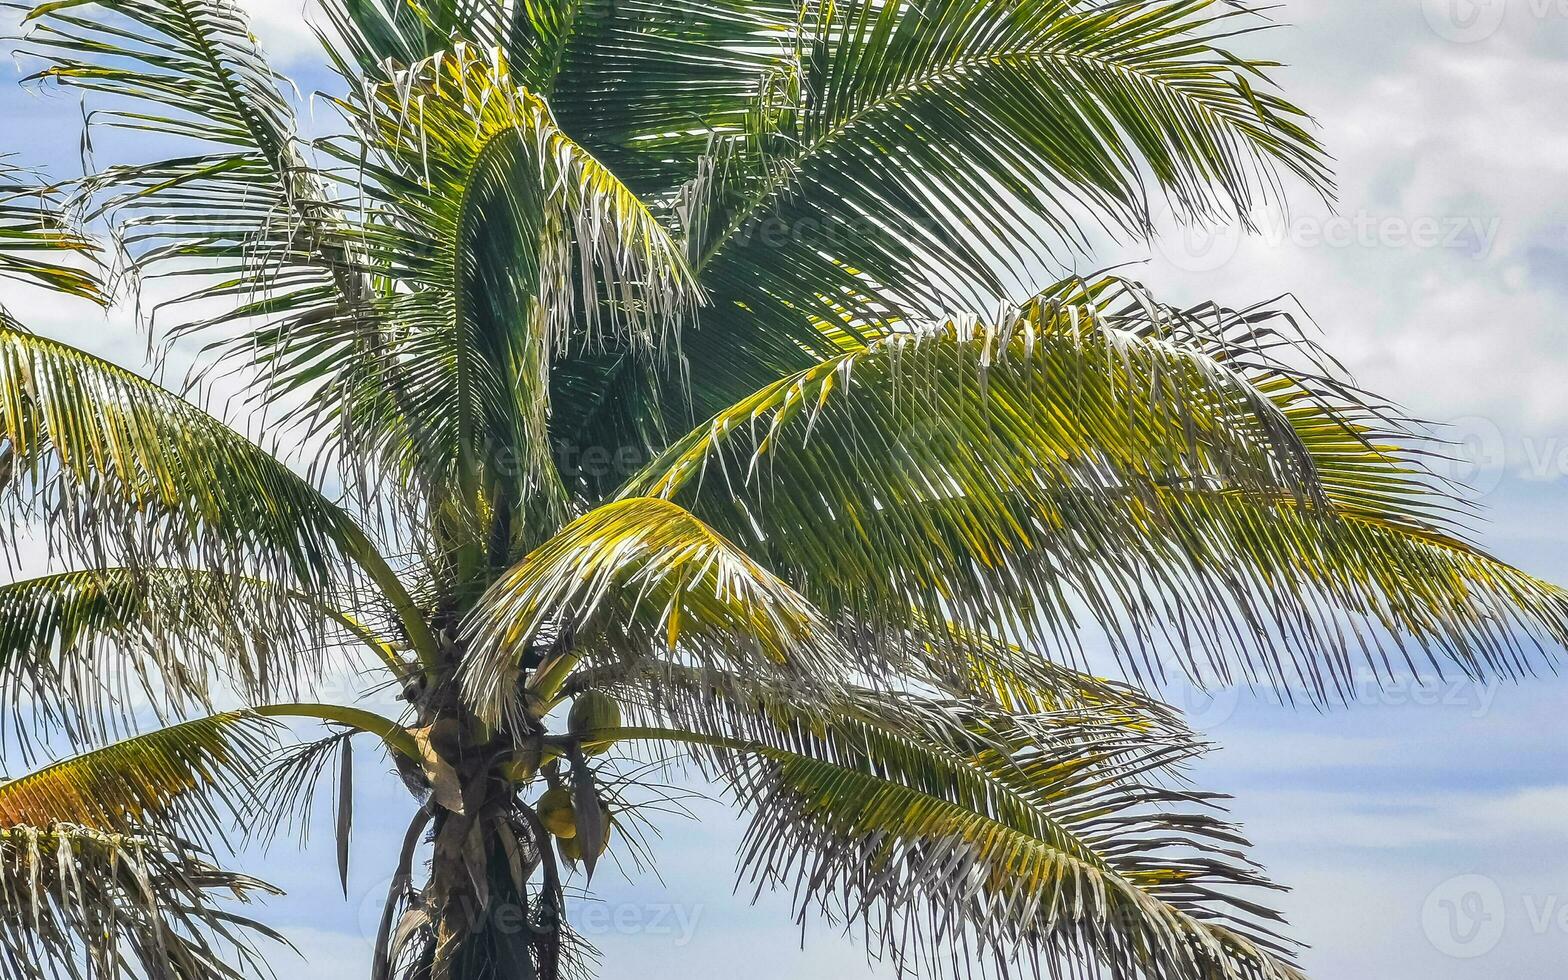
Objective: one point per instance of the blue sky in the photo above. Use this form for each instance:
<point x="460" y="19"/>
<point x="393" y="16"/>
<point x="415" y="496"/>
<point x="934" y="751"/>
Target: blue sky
<point x="1423" y="830"/>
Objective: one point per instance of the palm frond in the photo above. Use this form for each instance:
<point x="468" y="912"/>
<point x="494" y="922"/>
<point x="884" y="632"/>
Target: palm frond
<point x="1080" y="464"/>
<point x="188" y="780"/>
<point x="1006" y="679"/>
<point x="372" y="37"/>
<point x="645" y="84"/>
<point x="127" y="468"/>
<point x="1393" y="576"/>
<point x="38" y="245"/>
<point x="77" y="902"/>
<point x="969" y="843"/>
<point x="640" y="84"/>
<point x="235" y="212"/>
<point x="83" y="651"/>
<point x="915" y="159"/>
<point x="926" y="472"/>
<point x="641" y="576"/>
<point x="515" y="247"/>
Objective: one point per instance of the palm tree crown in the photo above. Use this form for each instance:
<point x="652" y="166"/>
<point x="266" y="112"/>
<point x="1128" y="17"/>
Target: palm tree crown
<point x="685" y="364"/>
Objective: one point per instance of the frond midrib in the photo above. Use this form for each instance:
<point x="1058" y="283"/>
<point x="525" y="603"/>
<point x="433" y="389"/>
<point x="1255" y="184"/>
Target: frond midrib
<point x="782" y="176"/>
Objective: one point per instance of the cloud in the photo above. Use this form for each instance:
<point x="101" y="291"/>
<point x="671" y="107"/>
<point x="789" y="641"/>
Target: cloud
<point x="285" y="29"/>
<point x="1424" y="131"/>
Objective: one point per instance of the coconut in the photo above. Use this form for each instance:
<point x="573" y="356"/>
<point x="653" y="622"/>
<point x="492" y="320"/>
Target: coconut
<point x="523" y="764"/>
<point x="556" y="812"/>
<point x="593" y="711"/>
<point x="571" y="848"/>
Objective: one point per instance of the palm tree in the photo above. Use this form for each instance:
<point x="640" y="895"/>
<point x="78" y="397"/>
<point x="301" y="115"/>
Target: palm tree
<point x="685" y="363"/>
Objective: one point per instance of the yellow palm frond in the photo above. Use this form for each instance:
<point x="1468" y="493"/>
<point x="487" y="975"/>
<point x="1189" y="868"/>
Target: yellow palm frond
<point x="180" y="779"/>
<point x="638" y="576"/>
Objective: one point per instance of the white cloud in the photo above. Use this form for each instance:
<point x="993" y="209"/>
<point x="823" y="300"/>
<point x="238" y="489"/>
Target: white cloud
<point x="284" y="28"/>
<point x="1427" y="130"/>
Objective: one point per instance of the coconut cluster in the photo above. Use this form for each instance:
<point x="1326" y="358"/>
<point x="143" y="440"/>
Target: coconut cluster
<point x="591" y="712"/>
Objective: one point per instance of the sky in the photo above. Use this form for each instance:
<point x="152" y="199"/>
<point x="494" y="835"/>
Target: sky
<point x="1423" y="829"/>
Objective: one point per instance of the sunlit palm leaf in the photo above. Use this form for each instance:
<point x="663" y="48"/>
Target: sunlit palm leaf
<point x="1010" y="680"/>
<point x="920" y="158"/>
<point x="189" y="779"/>
<point x="639" y="576"/>
<point x="857" y="595"/>
<point x="231" y="208"/>
<point x="1395" y="556"/>
<point x="930" y="469"/>
<point x="124" y="466"/>
<point x="639" y="83"/>
<point x="37" y="243"/>
<point x="516" y="247"/>
<point x="979" y="474"/>
<point x="645" y="83"/>
<point x="77" y="902"/>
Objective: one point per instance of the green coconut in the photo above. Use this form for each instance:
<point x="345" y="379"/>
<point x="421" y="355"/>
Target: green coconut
<point x="571" y="848"/>
<point x="557" y="814"/>
<point x="593" y="711"/>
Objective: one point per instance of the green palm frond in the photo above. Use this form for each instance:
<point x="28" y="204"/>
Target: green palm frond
<point x="191" y="72"/>
<point x="636" y="577"/>
<point x="1009" y="680"/>
<point x="77" y="902"/>
<point x="644" y="84"/>
<point x="188" y="779"/>
<point x="516" y="247"/>
<point x="377" y="35"/>
<point x="126" y="467"/>
<point x="38" y="244"/>
<point x="81" y="649"/>
<point x="929" y="469"/>
<point x="640" y="83"/>
<point x="233" y="208"/>
<point x="1077" y="463"/>
<point x="1396" y="555"/>
<point x="969" y="842"/>
<point x="919" y="158"/>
